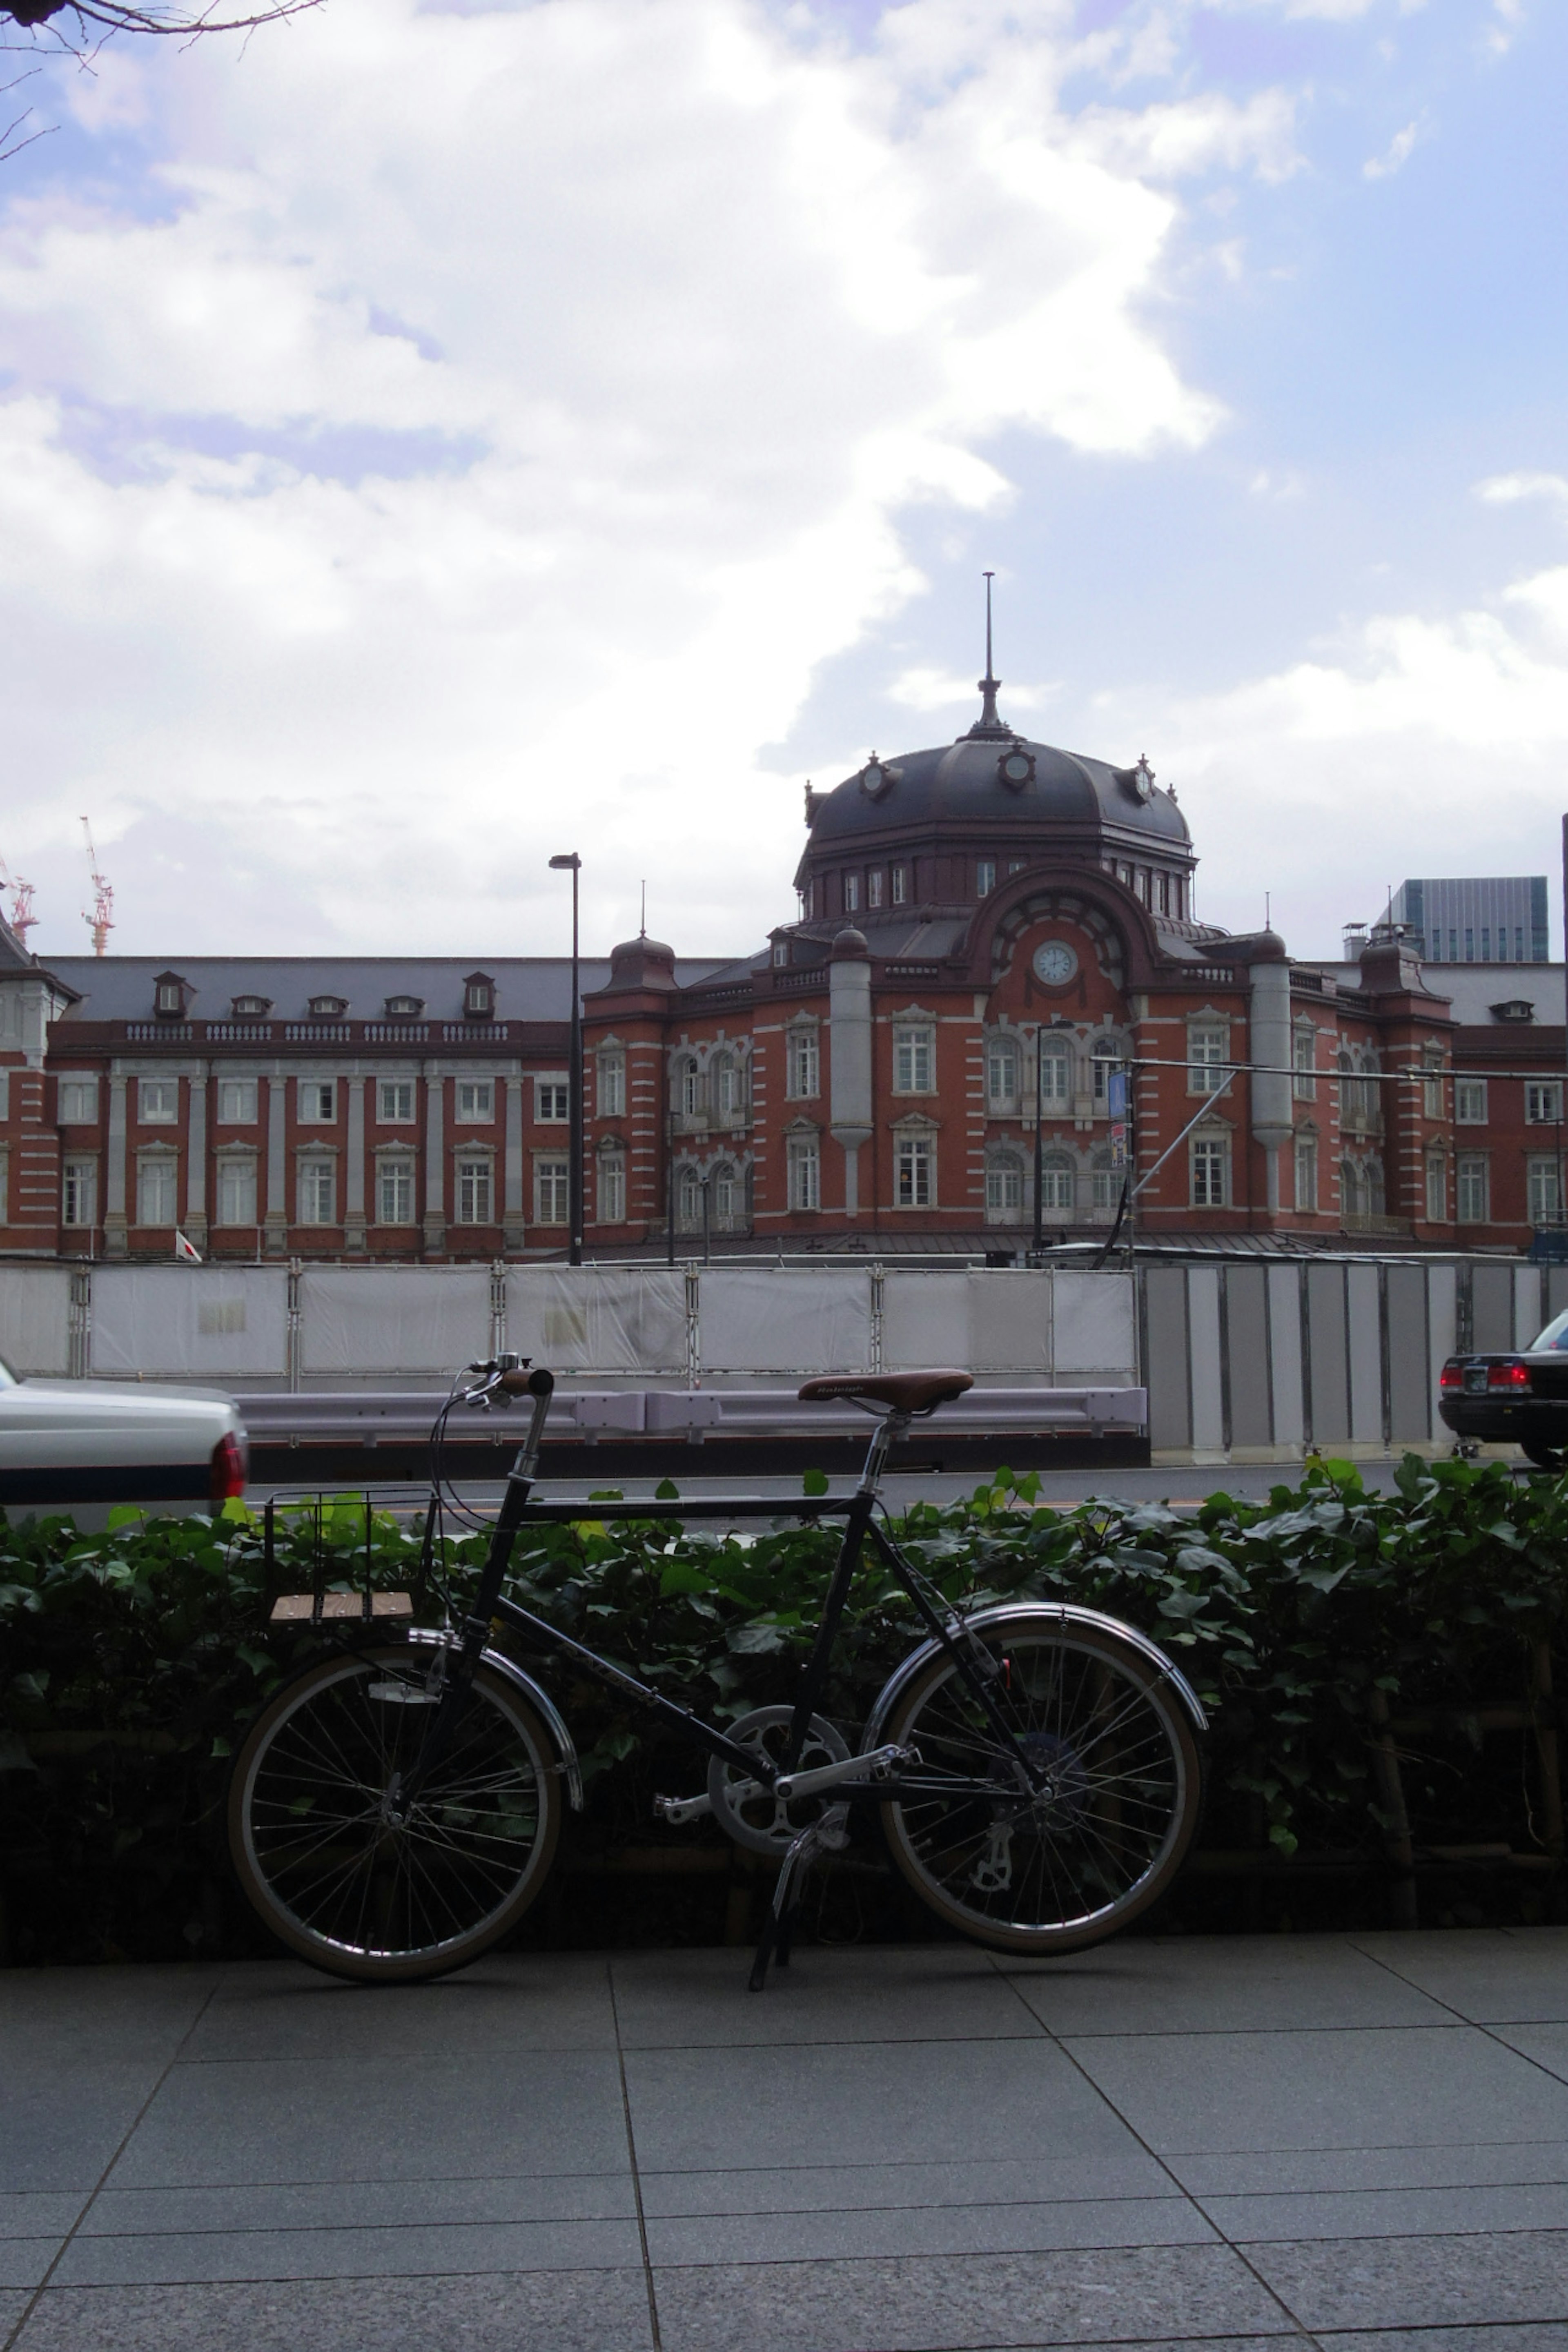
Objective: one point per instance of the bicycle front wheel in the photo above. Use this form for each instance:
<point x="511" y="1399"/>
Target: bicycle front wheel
<point x="1104" y="1834"/>
<point x="327" y="1863"/>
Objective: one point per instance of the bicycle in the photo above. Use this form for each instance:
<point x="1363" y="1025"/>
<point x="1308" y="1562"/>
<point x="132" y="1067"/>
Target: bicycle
<point x="394" y="1809"/>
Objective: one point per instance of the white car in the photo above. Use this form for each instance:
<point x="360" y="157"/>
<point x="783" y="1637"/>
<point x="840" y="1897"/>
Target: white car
<point x="64" y="1443"/>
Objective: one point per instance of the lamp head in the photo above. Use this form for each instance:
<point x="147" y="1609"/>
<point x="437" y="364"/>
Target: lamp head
<point x="569" y="864"/>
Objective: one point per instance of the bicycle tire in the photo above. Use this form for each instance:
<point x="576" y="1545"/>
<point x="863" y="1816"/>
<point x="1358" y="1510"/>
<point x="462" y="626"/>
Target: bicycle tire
<point x="1058" y="1872"/>
<point x="379" y="1902"/>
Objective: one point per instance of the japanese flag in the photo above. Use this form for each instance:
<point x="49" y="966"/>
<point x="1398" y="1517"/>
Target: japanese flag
<point x="185" y="1253"/>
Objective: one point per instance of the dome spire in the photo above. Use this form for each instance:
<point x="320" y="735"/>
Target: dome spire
<point x="988" y="727"/>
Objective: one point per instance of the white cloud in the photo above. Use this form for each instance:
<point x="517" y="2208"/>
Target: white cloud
<point x="1394" y="155"/>
<point x="1507" y="489"/>
<point x="498" y="419"/>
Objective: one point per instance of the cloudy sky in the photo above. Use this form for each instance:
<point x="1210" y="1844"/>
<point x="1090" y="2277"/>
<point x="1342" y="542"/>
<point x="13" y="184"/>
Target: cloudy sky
<point x="434" y="437"/>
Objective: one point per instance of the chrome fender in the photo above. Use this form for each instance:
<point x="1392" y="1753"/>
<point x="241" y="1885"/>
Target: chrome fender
<point x="1067" y="1615"/>
<point x="538" y="1699"/>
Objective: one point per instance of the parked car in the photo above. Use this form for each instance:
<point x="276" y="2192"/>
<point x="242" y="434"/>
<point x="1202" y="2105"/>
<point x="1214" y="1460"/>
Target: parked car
<point x="1520" y="1398"/>
<point x="69" y="1442"/>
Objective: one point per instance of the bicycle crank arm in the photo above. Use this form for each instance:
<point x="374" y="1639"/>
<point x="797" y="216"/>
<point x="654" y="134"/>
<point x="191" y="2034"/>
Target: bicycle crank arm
<point x="790" y="1785"/>
<point x="679" y="1810"/>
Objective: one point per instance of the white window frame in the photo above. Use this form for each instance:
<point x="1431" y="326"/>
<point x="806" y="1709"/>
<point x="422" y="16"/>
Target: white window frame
<point x="1004" y="1188"/>
<point x="1544" y="1102"/>
<point x="1055" y="1063"/>
<point x="1208" y="1051"/>
<point x="1004" y="1068"/>
<point x="727" y="1085"/>
<point x="804" y="1165"/>
<point x="1543" y="1189"/>
<point x="473" y="1188"/>
<point x="803" y="1063"/>
<point x="394" y="1194"/>
<point x="612" y="1188"/>
<point x="473" y="1102"/>
<point x="1304" y="1063"/>
<point x="391" y="1095"/>
<point x="899" y="886"/>
<point x="1469" y="1102"/>
<point x="1472" y="1190"/>
<point x="1432" y="1088"/>
<point x="914" y="1058"/>
<point x="317" y="1100"/>
<point x="1306" y="1175"/>
<point x="852" y="894"/>
<point x="553" y="1099"/>
<point x="876" y="887"/>
<point x="316" y="1187"/>
<point x="79" y="1101"/>
<point x="78" y="1192"/>
<point x="729" y="1213"/>
<point x="1058" y="1185"/>
<point x="688" y="1087"/>
<point x="159" y="1170"/>
<point x="610" y="1085"/>
<point x="231" y="1171"/>
<point x="1436" y="1190"/>
<point x="551" y="1189"/>
<point x="236" y="1102"/>
<point x="1209" y="1172"/>
<point x="984" y="877"/>
<point x="158" y="1102"/>
<point x="914" y="1171"/>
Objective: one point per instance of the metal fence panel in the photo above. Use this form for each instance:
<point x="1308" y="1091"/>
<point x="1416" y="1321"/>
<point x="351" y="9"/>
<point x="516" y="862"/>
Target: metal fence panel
<point x="1409" y="1365"/>
<point x="1491" y="1309"/>
<point x="1165" y="1361"/>
<point x="1203" y="1350"/>
<point x="1328" y="1380"/>
<point x="599" y="1318"/>
<point x="396" y="1319"/>
<point x="1246" y="1355"/>
<point x="775" y="1319"/>
<point x="1284" y="1354"/>
<point x="1365" y="1330"/>
<point x="1529" y="1303"/>
<point x="1094" y="1326"/>
<point x="190" y="1322"/>
<point x="34" y="1319"/>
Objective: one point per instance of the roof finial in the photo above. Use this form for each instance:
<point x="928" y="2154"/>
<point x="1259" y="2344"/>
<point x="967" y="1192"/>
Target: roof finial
<point x="642" y="928"/>
<point x="988" y="725"/>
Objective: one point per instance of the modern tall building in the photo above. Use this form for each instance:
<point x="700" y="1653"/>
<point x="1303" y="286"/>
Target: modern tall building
<point x="1485" y="918"/>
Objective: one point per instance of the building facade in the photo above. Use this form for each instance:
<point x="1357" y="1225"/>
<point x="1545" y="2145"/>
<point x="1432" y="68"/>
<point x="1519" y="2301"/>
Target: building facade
<point x="995" y="1005"/>
<point x="1484" y="918"/>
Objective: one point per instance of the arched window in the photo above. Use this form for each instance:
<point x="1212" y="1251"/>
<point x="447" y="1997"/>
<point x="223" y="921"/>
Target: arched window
<point x="1002" y="1073"/>
<point x="728" y="1195"/>
<point x="1056" y="1073"/>
<point x="1058" y="1185"/>
<point x="726" y="1086"/>
<point x="1004" y="1188"/>
<point x="688" y="1086"/>
<point x="687" y="1201"/>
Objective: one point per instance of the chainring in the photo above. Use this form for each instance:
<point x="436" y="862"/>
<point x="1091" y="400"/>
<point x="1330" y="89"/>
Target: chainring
<point x="760" y="1821"/>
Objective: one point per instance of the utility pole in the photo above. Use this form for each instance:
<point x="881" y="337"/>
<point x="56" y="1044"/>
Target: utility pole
<point x="570" y="863"/>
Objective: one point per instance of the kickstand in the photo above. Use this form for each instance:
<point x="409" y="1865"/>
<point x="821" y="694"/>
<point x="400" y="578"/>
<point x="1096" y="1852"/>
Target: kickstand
<point x="826" y="1835"/>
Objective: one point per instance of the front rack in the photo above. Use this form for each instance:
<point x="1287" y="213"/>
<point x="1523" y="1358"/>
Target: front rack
<point x="342" y="1589"/>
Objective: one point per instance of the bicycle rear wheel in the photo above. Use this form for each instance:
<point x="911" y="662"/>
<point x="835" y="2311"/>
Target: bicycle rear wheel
<point x="1106" y="1833"/>
<point x="334" y="1874"/>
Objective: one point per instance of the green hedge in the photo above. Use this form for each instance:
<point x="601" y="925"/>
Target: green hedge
<point x="130" y="1659"/>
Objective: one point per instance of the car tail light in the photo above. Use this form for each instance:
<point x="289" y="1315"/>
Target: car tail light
<point x="231" y="1462"/>
<point x="1508" y="1376"/>
<point x="1453" y="1376"/>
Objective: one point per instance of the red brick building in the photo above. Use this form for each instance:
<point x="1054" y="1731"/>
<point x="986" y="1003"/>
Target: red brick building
<point x="988" y="933"/>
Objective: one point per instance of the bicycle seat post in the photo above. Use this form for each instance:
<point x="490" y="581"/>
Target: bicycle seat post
<point x="890" y="1428"/>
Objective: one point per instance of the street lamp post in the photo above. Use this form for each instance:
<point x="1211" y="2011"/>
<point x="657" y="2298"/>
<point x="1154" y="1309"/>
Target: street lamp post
<point x="573" y="863"/>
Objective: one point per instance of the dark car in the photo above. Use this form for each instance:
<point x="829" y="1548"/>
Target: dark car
<point x="1520" y="1398"/>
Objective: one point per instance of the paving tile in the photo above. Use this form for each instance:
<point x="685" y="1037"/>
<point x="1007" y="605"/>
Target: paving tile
<point x="85" y="2015"/>
<point x="60" y="2124"/>
<point x="14" y="2302"/>
<point x="411" y="2251"/>
<point x="364" y="2204"/>
<point x="279" y="2009"/>
<point x="968" y="2101"/>
<point x="1494" y="1975"/>
<point x="1228" y="2172"/>
<point x="24" y="2261"/>
<point x="1389" y="2212"/>
<point x="541" y="2311"/>
<point x="403" y="2119"/>
<point x="899" y="1992"/>
<point x="1218" y="1984"/>
<point x="39" y="2213"/>
<point x="1434" y="2282"/>
<point x="828" y="2236"/>
<point x="1546" y="2045"/>
<point x="919" y="2304"/>
<point x="1526" y="2336"/>
<point x="1324" y="2089"/>
<point x="809" y="2188"/>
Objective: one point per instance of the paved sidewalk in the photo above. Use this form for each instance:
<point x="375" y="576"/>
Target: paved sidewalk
<point x="1230" y="2141"/>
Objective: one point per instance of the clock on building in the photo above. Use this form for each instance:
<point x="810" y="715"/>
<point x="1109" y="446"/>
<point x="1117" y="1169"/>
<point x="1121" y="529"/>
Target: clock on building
<point x="1055" y="963"/>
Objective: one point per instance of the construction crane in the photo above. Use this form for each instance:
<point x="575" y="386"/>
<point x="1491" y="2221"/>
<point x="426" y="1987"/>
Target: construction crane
<point x="101" y="922"/>
<point x="22" y="916"/>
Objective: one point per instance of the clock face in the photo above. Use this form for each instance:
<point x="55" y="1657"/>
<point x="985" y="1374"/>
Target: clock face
<point x="1055" y="963"/>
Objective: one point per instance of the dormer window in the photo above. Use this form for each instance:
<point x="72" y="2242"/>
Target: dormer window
<point x="780" y="954"/>
<point x="170" y="994"/>
<point x="251" y="1008"/>
<point x="1516" y="1008"/>
<point x="404" y="1007"/>
<point x="328" y="1008"/>
<point x="478" y="996"/>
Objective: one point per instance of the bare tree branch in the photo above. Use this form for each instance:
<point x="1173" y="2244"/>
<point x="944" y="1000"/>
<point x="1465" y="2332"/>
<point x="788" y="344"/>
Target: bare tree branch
<point x="112" y="17"/>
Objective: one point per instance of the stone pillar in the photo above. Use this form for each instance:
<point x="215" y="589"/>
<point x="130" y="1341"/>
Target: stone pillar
<point x="1269" y="1032"/>
<point x="276" y="1242"/>
<point x="354" y="1174"/>
<point x="849" y="1056"/>
<point x="435" y="1164"/>
<point x="114" y="1217"/>
<point x="514" y="1225"/>
<point x="196" y="1225"/>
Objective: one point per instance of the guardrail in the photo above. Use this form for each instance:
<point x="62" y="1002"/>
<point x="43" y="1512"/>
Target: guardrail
<point x="403" y="1417"/>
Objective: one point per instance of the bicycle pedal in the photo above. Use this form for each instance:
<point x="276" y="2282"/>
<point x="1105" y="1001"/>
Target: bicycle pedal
<point x="678" y="1811"/>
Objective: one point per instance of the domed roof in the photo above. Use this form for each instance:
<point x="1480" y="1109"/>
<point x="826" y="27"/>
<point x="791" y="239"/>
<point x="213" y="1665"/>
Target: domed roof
<point x="993" y="775"/>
